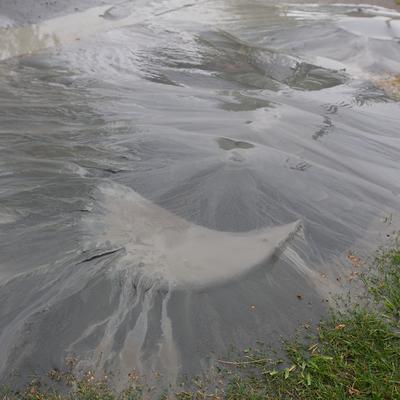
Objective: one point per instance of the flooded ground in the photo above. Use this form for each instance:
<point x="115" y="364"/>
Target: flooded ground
<point x="179" y="178"/>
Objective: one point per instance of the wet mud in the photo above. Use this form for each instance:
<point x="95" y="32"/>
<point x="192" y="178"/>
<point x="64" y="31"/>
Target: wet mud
<point x="177" y="179"/>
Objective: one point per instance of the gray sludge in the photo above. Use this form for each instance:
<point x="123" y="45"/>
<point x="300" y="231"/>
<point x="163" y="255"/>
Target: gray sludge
<point x="175" y="176"/>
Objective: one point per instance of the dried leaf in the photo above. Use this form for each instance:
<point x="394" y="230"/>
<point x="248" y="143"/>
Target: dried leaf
<point x="353" y="392"/>
<point x="292" y="368"/>
<point x="313" y="348"/>
<point x="355" y="261"/>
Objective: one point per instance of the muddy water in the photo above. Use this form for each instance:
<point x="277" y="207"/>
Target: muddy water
<point x="174" y="174"/>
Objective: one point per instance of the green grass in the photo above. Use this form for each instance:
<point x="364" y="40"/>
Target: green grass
<point x="384" y="284"/>
<point x="355" y="354"/>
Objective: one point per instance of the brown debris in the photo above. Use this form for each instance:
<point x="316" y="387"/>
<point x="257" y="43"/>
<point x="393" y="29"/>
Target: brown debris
<point x="355" y="261"/>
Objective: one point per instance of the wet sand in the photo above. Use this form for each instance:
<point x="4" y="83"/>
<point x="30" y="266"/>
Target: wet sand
<point x="177" y="179"/>
<point x="29" y="12"/>
<point x="381" y="3"/>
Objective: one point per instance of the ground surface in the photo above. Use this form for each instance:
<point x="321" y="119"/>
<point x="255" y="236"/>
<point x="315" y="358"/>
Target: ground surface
<point x="122" y="135"/>
<point x="354" y="355"/>
<point x="31" y="11"/>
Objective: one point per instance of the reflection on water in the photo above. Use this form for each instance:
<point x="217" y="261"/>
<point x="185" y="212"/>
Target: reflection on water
<point x="180" y="163"/>
<point x="229" y="144"/>
<point x="32" y="38"/>
<point x="260" y="67"/>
